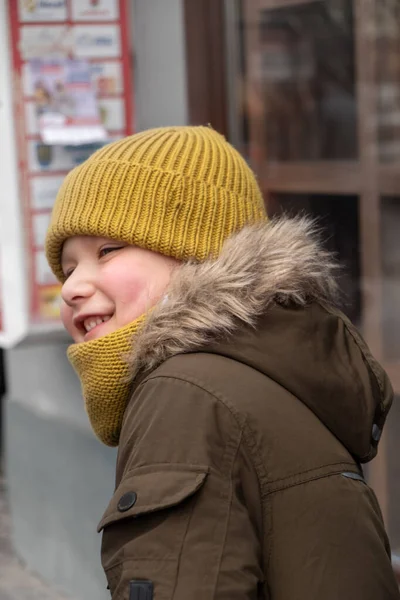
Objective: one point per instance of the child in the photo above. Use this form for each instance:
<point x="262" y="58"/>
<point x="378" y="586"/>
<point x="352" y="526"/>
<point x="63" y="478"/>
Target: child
<point x="210" y="350"/>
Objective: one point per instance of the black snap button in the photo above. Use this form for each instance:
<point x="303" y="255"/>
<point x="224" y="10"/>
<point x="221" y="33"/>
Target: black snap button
<point x="127" y="501"/>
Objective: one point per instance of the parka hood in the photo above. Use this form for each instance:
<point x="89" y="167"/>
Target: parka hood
<point x="269" y="301"/>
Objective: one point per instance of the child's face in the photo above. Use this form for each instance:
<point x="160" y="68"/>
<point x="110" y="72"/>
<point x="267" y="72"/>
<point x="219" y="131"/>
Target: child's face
<point x="109" y="284"/>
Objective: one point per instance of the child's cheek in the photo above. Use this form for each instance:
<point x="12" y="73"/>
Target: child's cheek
<point x="66" y="316"/>
<point x="123" y="283"/>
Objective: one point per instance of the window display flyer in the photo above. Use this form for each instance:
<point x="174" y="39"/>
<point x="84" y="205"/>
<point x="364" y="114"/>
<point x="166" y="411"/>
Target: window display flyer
<point x="107" y="78"/>
<point x="73" y="93"/>
<point x="43" y="190"/>
<point x="65" y="102"/>
<point x="31" y="11"/>
<point x="87" y="10"/>
<point x="96" y="41"/>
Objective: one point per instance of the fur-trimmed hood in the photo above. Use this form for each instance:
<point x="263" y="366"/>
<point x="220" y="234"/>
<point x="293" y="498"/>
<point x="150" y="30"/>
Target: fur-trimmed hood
<point x="268" y="301"/>
<point x="276" y="262"/>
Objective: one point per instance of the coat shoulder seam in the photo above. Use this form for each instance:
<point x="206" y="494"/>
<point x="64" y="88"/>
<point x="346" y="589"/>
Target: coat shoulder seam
<point x="199" y="385"/>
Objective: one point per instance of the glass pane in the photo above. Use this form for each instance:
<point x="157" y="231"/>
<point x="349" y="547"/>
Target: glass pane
<point x="304" y="80"/>
<point x="338" y="219"/>
<point x="391" y="277"/>
<point x="388" y="76"/>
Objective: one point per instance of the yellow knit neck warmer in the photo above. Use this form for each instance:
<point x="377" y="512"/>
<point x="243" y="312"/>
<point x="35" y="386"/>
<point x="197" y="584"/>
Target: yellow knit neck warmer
<point x="102" y="368"/>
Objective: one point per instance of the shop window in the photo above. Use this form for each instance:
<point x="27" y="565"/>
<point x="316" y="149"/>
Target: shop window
<point x="306" y="78"/>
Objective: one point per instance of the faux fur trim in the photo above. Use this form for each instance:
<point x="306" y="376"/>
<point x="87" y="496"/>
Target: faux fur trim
<point x="280" y="261"/>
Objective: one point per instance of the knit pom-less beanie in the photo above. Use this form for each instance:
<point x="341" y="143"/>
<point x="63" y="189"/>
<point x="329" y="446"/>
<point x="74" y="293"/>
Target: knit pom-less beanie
<point x="180" y="191"/>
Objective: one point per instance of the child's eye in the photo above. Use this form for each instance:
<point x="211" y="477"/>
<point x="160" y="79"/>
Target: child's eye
<point x="108" y="249"/>
<point x="68" y="273"/>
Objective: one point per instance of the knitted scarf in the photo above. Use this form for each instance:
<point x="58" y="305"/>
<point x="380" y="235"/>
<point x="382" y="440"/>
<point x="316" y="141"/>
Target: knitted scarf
<point x="103" y="370"/>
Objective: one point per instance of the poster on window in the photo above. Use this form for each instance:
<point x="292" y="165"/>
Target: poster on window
<point x="65" y="102"/>
<point x="89" y="10"/>
<point x="33" y="11"/>
<point x="73" y="94"/>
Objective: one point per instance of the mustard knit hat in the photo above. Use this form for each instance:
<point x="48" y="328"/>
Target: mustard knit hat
<point x="180" y="191"/>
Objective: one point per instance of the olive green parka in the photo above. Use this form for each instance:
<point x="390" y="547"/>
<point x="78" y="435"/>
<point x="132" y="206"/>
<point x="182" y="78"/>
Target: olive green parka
<point x="254" y="404"/>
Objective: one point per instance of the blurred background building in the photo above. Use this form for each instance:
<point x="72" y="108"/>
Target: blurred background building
<point x="309" y="91"/>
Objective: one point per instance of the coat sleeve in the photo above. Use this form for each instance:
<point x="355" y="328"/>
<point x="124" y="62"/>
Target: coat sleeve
<point x="327" y="540"/>
<point x="178" y="525"/>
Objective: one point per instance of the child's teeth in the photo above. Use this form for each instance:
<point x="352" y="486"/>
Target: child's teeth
<point x="89" y="325"/>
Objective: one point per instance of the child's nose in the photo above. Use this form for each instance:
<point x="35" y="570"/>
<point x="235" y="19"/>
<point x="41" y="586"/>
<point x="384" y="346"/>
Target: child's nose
<point x="78" y="287"/>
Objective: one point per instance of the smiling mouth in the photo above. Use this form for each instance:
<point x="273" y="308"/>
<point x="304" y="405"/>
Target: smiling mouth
<point x="92" y="322"/>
